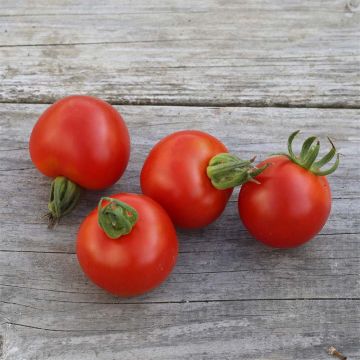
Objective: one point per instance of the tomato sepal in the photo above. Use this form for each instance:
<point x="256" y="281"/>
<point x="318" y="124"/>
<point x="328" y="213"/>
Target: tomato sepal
<point x="227" y="171"/>
<point x="116" y="218"/>
<point x="64" y="196"/>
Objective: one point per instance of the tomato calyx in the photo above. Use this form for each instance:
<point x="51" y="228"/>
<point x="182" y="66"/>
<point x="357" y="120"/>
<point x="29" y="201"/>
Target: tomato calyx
<point x="116" y="218"/>
<point x="227" y="171"/>
<point x="309" y="153"/>
<point x="64" y="195"/>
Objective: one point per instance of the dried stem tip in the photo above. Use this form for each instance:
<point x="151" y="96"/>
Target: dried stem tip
<point x="332" y="351"/>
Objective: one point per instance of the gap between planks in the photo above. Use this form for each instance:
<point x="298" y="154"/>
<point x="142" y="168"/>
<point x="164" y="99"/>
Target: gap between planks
<point x="144" y="302"/>
<point x="201" y="103"/>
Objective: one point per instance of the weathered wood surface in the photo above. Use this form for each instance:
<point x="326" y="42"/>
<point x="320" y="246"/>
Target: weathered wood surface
<point x="212" y="52"/>
<point x="262" y="330"/>
<point x="229" y="297"/>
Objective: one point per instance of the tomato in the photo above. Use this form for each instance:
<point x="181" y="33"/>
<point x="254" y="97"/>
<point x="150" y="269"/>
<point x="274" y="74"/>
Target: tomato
<point x="292" y="201"/>
<point x="81" y="139"/>
<point x="137" y="258"/>
<point x="175" y="175"/>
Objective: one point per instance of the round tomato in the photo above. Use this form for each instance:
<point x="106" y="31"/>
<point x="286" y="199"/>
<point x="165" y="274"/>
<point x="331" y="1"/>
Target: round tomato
<point x="127" y="245"/>
<point x="82" y="140"/>
<point x="292" y="200"/>
<point x="175" y="175"/>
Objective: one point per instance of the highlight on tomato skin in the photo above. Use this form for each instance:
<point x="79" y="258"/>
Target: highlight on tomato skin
<point x="80" y="142"/>
<point x="291" y="202"/>
<point x="127" y="245"/>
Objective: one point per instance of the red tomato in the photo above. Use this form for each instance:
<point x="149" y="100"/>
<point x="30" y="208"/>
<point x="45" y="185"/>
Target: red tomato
<point x="174" y="174"/>
<point x="83" y="139"/>
<point x="134" y="263"/>
<point x="288" y="207"/>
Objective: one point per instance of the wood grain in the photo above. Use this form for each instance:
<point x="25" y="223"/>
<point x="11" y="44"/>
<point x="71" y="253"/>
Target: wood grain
<point x="213" y="52"/>
<point x="260" y="330"/>
<point x="229" y="297"/>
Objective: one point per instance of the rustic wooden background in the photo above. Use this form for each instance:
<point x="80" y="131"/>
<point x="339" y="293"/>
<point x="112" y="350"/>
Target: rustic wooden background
<point x="249" y="72"/>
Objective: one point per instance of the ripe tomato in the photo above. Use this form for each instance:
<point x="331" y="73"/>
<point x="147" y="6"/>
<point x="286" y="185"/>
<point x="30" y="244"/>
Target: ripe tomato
<point x="142" y="255"/>
<point x="82" y="140"/>
<point x="174" y="174"/>
<point x="292" y="201"/>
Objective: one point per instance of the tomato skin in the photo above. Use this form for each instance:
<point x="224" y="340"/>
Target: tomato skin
<point x="174" y="174"/>
<point x="82" y="138"/>
<point x="289" y="206"/>
<point x="135" y="263"/>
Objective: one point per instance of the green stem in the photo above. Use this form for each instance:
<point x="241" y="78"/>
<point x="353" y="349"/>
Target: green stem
<point x="116" y="218"/>
<point x="64" y="195"/>
<point x="309" y="153"/>
<point x="227" y="171"/>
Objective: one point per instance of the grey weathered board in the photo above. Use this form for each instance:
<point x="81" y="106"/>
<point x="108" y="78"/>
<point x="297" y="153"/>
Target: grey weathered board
<point x="229" y="297"/>
<point x="253" y="52"/>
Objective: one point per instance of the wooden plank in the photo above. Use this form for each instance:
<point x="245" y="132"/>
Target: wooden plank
<point x="184" y="52"/>
<point x="261" y="330"/>
<point x="310" y="272"/>
<point x="246" y="131"/>
<point x="81" y="7"/>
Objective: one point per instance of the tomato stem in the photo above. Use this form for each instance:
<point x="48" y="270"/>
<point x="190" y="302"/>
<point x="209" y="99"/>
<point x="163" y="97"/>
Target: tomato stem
<point x="308" y="154"/>
<point x="227" y="171"/>
<point x="116" y="218"/>
<point x="64" y="195"/>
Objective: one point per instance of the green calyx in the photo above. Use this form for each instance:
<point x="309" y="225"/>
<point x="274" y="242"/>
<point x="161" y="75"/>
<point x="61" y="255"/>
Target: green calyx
<point x="116" y="218"/>
<point x="309" y="153"/>
<point x="64" y="195"/>
<point x="227" y="171"/>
